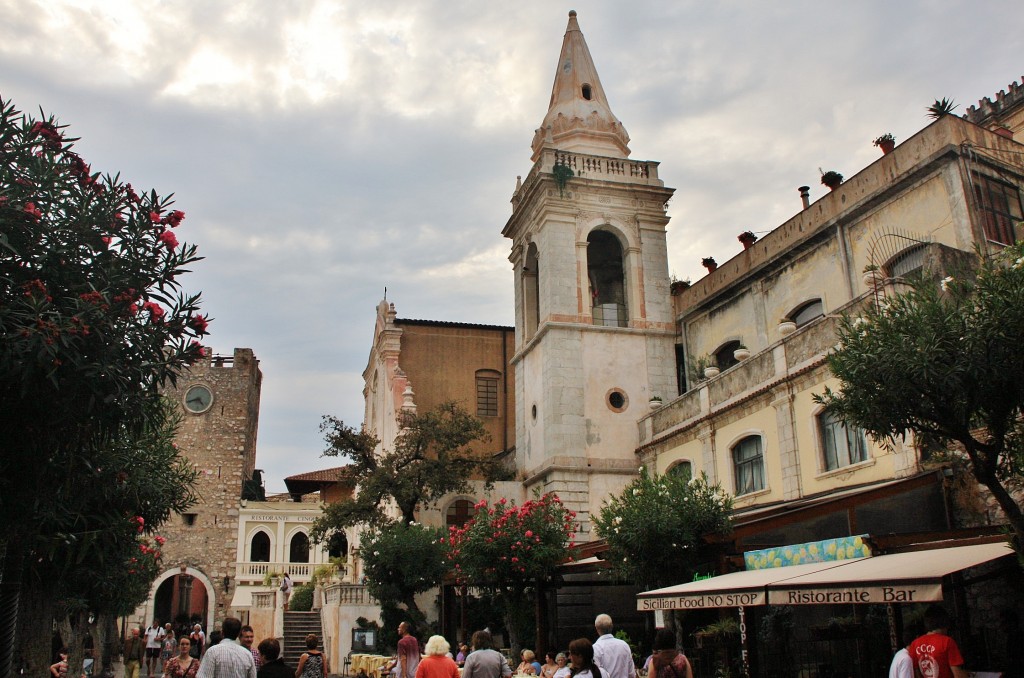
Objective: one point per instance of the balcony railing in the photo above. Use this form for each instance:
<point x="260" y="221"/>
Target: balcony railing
<point x="348" y="594"/>
<point x="264" y="599"/>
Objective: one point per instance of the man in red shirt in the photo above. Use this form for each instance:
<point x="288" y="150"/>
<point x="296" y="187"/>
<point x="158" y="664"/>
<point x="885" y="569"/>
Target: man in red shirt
<point x="935" y="654"/>
<point x="408" y="652"/>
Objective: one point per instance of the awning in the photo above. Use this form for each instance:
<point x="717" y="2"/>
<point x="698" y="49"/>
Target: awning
<point x="911" y="577"/>
<point x="899" y="577"/>
<point x="728" y="590"/>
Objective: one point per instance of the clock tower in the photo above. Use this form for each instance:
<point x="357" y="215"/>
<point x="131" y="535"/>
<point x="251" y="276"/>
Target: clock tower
<point x="594" y="330"/>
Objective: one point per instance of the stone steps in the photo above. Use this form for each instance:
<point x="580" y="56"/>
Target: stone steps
<point x="297" y="625"/>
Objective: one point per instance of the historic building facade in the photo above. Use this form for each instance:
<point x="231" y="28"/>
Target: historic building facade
<point x="219" y="400"/>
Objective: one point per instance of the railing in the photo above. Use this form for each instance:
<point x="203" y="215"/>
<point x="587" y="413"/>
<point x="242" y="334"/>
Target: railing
<point x="597" y="166"/>
<point x="298" y="571"/>
<point x="348" y="594"/>
<point x="264" y="599"/>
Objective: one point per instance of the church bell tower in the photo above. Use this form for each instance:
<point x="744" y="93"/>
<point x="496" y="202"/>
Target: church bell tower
<point x="594" y="327"/>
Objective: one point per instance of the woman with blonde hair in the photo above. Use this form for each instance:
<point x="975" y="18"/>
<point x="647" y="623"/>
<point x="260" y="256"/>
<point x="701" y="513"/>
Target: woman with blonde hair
<point x="526" y="667"/>
<point x="436" y="663"/>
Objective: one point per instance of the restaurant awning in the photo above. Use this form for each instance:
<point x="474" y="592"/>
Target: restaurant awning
<point x="910" y="577"/>
<point x="899" y="577"/>
<point x="735" y="589"/>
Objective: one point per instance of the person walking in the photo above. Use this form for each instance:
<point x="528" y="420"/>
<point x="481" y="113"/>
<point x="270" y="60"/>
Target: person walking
<point x="286" y="589"/>
<point x="134" y="654"/>
<point x="271" y="663"/>
<point x="313" y="662"/>
<point x="228" y="659"/>
<point x="436" y="663"/>
<point x="198" y="639"/>
<point x="169" y="648"/>
<point x="154" y="645"/>
<point x="935" y="654"/>
<point x="667" y="661"/>
<point x="184" y="665"/>
<point x="484" y="661"/>
<point x="611" y="654"/>
<point x="408" y="651"/>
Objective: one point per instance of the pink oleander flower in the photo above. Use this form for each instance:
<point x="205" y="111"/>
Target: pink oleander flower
<point x="156" y="313"/>
<point x="168" y="240"/>
<point x="199" y="324"/>
<point x="174" y="218"/>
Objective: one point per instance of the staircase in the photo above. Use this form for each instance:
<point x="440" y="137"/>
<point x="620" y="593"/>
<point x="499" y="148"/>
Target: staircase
<point x="297" y="625"/>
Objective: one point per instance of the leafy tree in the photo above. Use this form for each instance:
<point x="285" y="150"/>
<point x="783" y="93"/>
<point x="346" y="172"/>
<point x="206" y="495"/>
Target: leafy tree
<point x="944" y="360"/>
<point x="509" y="550"/>
<point x="655" y="528"/>
<point x="92" y="323"/>
<point x="431" y="458"/>
<point x="400" y="561"/>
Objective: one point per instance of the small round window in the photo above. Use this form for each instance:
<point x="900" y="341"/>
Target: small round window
<point x="617" y="400"/>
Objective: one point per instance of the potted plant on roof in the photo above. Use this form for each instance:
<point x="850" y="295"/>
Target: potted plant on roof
<point x="747" y="238"/>
<point x="677" y="286"/>
<point x="940" y="108"/>
<point x="709" y="263"/>
<point x="832" y="179"/>
<point x="873" y="276"/>
<point x="711" y="370"/>
<point x="886" y="142"/>
<point x="655" y="402"/>
<point x="741" y="353"/>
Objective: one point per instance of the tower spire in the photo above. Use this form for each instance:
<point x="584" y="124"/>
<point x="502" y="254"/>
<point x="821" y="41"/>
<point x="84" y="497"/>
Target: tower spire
<point x="579" y="118"/>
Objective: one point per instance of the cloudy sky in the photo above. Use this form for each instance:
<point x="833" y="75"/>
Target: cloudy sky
<point x="324" y="150"/>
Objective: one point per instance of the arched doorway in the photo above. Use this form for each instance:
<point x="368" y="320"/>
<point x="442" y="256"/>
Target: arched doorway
<point x="182" y="597"/>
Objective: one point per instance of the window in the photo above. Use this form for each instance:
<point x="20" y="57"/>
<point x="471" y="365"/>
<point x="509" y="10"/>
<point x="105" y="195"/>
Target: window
<point x="724" y="357"/>
<point x="907" y="263"/>
<point x="587" y="93"/>
<point x="840" y="444"/>
<point x="812" y="310"/>
<point x="682" y="469"/>
<point x="188" y="518"/>
<point x="298" y="550"/>
<point x="1000" y="209"/>
<point x="459" y="513"/>
<point x="531" y="290"/>
<point x="337" y="546"/>
<point x="607" y="279"/>
<point x="748" y="465"/>
<point x="259" y="549"/>
<point x="487" y="393"/>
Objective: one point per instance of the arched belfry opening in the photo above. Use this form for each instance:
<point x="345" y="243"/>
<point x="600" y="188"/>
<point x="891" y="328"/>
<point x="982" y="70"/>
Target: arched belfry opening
<point x="606" y="273"/>
<point x="531" y="290"/>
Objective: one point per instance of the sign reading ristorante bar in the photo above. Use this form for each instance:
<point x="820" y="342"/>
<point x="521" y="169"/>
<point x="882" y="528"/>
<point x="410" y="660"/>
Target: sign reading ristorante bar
<point x="901" y="593"/>
<point x="702" y="600"/>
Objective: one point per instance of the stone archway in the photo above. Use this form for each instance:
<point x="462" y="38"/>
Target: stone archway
<point x="178" y="592"/>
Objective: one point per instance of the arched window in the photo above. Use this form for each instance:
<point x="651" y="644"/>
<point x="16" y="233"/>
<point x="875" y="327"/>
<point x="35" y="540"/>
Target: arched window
<point x="487" y="393"/>
<point x="337" y="545"/>
<point x="607" y="279"/>
<point x="259" y="548"/>
<point x="459" y="513"/>
<point x="681" y="469"/>
<point x="748" y="465"/>
<point x="907" y="263"/>
<point x="807" y="312"/>
<point x="724" y="357"/>
<point x="841" y="445"/>
<point x="531" y="290"/>
<point x="298" y="549"/>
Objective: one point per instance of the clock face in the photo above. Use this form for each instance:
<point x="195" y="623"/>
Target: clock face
<point x="198" y="399"/>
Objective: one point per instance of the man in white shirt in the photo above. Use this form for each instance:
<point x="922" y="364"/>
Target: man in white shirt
<point x="228" y="659"/>
<point x="612" y="655"/>
<point x="903" y="664"/>
<point x="154" y="643"/>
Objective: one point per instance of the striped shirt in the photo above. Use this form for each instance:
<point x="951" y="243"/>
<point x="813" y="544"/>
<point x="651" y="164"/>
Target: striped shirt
<point x="227" y="660"/>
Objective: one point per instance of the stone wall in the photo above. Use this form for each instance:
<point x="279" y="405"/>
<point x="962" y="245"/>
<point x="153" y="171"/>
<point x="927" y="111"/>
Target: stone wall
<point x="220" y="442"/>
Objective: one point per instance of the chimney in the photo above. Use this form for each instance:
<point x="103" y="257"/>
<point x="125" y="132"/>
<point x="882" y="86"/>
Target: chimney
<point x="805" y="196"/>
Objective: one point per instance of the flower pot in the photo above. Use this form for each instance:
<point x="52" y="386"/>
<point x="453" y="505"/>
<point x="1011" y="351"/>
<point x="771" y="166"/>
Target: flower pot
<point x="711" y="371"/>
<point x="873" y="279"/>
<point x="787" y="327"/>
<point x="887" y="146"/>
<point x="741" y="354"/>
<point x="654" y="404"/>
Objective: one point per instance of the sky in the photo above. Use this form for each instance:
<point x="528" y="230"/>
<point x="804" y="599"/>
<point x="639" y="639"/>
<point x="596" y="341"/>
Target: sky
<point x="325" y="150"/>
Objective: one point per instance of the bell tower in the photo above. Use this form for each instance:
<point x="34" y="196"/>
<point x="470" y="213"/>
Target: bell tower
<point x="594" y="327"/>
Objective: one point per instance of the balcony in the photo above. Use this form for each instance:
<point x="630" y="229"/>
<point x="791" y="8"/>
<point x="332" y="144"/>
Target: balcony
<point x="301" y="573"/>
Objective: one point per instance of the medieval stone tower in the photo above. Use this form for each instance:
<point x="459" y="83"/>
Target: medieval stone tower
<point x="594" y="334"/>
<point x="219" y="400"/>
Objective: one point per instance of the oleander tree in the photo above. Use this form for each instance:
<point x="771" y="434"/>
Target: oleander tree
<point x="512" y="552"/>
<point x="656" y="528"/>
<point x="944" y="360"/>
<point x="93" y="322"/>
